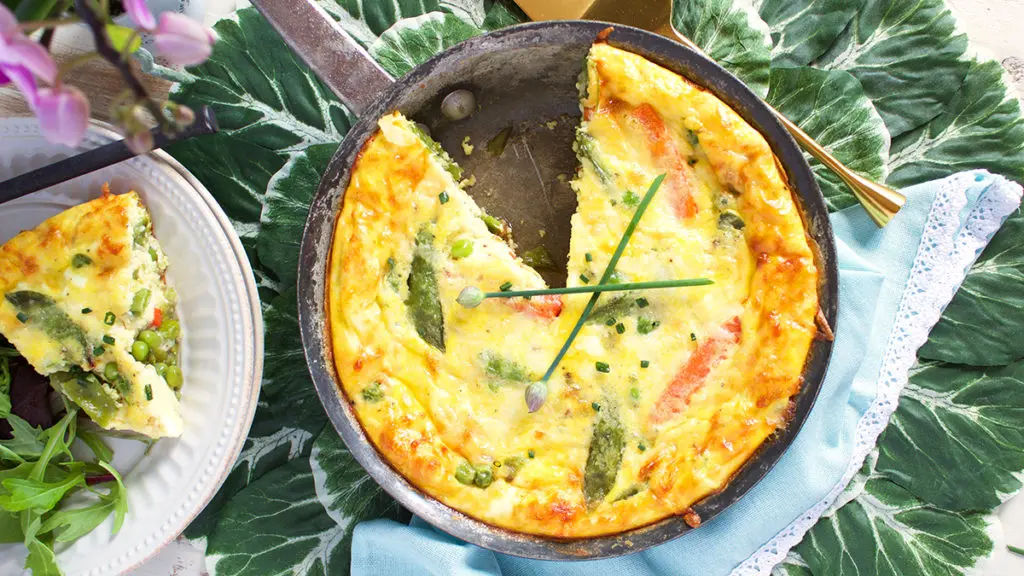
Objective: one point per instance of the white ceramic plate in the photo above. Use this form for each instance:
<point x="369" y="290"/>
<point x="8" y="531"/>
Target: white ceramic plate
<point x="222" y="344"/>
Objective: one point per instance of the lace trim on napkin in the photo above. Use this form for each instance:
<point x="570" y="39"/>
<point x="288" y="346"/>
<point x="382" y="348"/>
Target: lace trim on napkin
<point x="934" y="279"/>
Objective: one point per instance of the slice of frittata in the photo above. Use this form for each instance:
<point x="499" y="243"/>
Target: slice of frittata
<point x="84" y="298"/>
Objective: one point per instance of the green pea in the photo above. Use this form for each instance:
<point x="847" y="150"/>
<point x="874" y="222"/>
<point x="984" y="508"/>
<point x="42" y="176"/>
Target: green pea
<point x="140" y="301"/>
<point x="158" y="353"/>
<point x="462" y="248"/>
<point x="140" y="350"/>
<point x="151" y="338"/>
<point x="110" y="372"/>
<point x="465" y="473"/>
<point x="170" y="329"/>
<point x="484" y="476"/>
<point x="161" y="369"/>
<point x="174" y="377"/>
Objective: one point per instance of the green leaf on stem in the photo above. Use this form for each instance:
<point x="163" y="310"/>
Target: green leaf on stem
<point x="125" y="40"/>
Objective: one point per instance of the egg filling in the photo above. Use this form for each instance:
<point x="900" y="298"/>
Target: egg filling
<point x="86" y="302"/>
<point x="663" y="395"/>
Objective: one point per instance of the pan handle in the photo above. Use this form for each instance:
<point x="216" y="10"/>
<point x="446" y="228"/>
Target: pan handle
<point x="342" y="64"/>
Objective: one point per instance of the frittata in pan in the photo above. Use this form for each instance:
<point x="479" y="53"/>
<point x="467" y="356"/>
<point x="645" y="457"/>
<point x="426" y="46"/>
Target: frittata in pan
<point x="85" y="301"/>
<point x="664" y="394"/>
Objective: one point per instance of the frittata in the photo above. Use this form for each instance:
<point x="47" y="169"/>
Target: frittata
<point x="86" y="302"/>
<point x="664" y="394"/>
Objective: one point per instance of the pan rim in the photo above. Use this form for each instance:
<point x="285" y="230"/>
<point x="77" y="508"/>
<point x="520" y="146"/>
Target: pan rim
<point x="315" y="328"/>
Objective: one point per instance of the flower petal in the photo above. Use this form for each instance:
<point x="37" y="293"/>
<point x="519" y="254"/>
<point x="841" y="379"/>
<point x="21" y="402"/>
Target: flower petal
<point x="181" y="25"/>
<point x="23" y="79"/>
<point x="181" y="51"/>
<point x="8" y="23"/>
<point x="63" y="115"/>
<point x="21" y="51"/>
<point x="140" y="13"/>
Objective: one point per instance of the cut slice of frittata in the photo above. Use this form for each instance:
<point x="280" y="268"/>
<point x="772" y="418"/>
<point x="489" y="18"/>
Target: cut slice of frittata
<point x="84" y="298"/>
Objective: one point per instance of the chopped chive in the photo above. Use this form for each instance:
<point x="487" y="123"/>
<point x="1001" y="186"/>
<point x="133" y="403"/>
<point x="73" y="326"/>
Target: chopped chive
<point x="22" y="317"/>
<point x="1015" y="549"/>
<point x="630" y="199"/>
<point x="584" y="278"/>
<point x="443" y="197"/>
<point x="609" y="269"/>
<point x="505" y="287"/>
<point x="109" y="339"/>
<point x="109" y="318"/>
<point x="531" y="453"/>
<point x="86" y="310"/>
<point x="588" y="257"/>
<point x="602" y="367"/>
<point x="642" y="302"/>
<point x="149" y="392"/>
<point x="641" y="446"/>
<point x="692" y="138"/>
<point x="693" y="337"/>
<point x="620" y="328"/>
<point x="98" y="351"/>
<point x="595" y="406"/>
<point x="610" y="322"/>
<point x="692" y="161"/>
<point x="80" y="260"/>
<point x="645" y="363"/>
<point x="634" y="393"/>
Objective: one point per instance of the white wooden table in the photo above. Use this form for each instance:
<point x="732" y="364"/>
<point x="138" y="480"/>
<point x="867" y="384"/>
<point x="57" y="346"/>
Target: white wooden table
<point x="993" y="26"/>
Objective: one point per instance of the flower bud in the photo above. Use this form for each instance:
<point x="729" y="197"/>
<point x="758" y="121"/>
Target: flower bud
<point x="63" y="114"/>
<point x="139" y="142"/>
<point x="139" y="13"/>
<point x="536" y="394"/>
<point x="470" y="297"/>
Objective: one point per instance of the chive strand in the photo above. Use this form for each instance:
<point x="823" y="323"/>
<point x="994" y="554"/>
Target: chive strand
<point x="630" y="228"/>
<point x="628" y="286"/>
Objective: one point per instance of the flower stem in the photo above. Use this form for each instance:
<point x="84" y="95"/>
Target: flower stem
<point x="97" y="24"/>
<point x="625" y="287"/>
<point x="33" y="25"/>
<point x="607" y="274"/>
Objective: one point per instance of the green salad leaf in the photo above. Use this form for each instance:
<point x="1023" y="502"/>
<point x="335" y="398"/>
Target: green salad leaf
<point x="831" y="106"/>
<point x="907" y="55"/>
<point x="732" y="34"/>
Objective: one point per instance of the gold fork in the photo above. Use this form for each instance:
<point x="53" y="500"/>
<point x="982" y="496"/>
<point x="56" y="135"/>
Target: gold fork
<point x="881" y="202"/>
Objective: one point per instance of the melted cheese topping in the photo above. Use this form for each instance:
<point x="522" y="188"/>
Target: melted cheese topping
<point x="663" y="395"/>
<point x="58" y="283"/>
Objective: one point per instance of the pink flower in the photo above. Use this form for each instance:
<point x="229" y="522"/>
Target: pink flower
<point x="63" y="114"/>
<point x="139" y="13"/>
<point x="23" y="79"/>
<point x="183" y="41"/>
<point x="16" y="49"/>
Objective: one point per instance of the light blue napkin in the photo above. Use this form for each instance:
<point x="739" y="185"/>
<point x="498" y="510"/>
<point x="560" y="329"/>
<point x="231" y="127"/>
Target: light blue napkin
<point x="875" y="266"/>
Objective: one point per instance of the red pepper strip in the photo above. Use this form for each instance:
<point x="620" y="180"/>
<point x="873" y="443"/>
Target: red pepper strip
<point x="540" y="306"/>
<point x="692" y="374"/>
<point x="664" y="148"/>
<point x="158" y="318"/>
